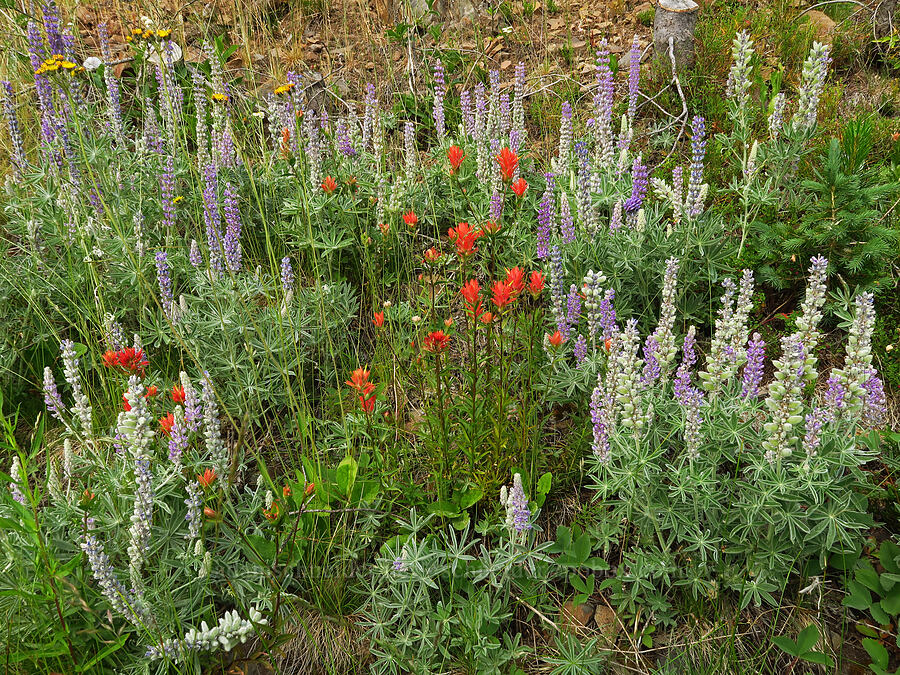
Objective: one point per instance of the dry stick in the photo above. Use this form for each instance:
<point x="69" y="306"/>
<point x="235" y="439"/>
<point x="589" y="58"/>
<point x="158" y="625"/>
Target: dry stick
<point x="834" y="2"/>
<point x="683" y="115"/>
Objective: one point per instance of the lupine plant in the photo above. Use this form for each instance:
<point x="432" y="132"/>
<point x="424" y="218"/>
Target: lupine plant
<point x="720" y="484"/>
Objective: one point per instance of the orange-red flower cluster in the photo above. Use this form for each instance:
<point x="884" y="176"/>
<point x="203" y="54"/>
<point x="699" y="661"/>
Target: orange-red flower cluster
<point x="329" y="185"/>
<point x="471" y="295"/>
<point x="410" y="218"/>
<point x="432" y="255"/>
<point x="436" y="341"/>
<point x="166" y="422"/>
<point x="508" y="162"/>
<point x="519" y="186"/>
<point x="378" y="319"/>
<point x="206" y="478"/>
<point x="464" y="236"/>
<point x="129" y="360"/>
<point x="177" y="394"/>
<point x="365" y="390"/>
<point x="536" y="283"/>
<point x="456" y="157"/>
<point x="556" y="339"/>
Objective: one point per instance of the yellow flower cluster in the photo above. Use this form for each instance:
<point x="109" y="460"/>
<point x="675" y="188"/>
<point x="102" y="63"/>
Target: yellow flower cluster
<point x="284" y="88"/>
<point x="139" y="34"/>
<point x="55" y="63"/>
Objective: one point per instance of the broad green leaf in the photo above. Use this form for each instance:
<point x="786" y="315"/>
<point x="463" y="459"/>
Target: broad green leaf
<point x="345" y="475"/>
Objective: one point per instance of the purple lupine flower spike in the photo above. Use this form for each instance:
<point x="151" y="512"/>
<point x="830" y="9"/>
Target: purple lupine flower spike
<point x="52" y="398"/>
<point x="440" y="91"/>
<point x="287" y="275"/>
<point x="194" y="256"/>
<point x="566" y="220"/>
<point x="580" y="349"/>
<point x="546" y="217"/>
<point x="17" y="156"/>
<point x="694" y="204"/>
<point x="753" y="368"/>
<point x="634" y="78"/>
<point x="638" y="187"/>
<point x="164" y="279"/>
<point x="232" y="229"/>
<point x="211" y="217"/>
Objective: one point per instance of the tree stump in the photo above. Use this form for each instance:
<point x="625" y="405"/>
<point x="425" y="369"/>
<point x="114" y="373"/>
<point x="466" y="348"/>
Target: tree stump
<point x="675" y="19"/>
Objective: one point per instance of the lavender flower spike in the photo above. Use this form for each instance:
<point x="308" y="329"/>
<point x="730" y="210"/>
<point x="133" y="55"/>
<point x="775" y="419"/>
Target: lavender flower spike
<point x="634" y="79"/>
<point x="17" y="156"/>
<point x="52" y="398"/>
<point x="164" y="279"/>
<point x="694" y="201"/>
<point x="193" y="411"/>
<point x="15" y="487"/>
<point x="121" y="600"/>
<point x="638" y="187"/>
<point x="753" y="368"/>
<point x="82" y="406"/>
<point x="232" y="243"/>
<point x="440" y="91"/>
<point x="212" y="430"/>
<point x="518" y="515"/>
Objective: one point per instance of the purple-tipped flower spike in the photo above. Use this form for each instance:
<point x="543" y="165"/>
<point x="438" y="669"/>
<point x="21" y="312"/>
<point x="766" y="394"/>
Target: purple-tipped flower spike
<point x="683" y="387"/>
<point x="194" y="515"/>
<point x="557" y="288"/>
<point x="776" y="119"/>
<point x="546" y="222"/>
<point x="345" y="144"/>
<point x="608" y="315"/>
<point x="505" y="120"/>
<point x="465" y="105"/>
<point x="874" y="402"/>
<point x="15" y="486"/>
<point x="370" y="116"/>
<point x="232" y="242"/>
<point x="440" y="92"/>
<point x="694" y="201"/>
<point x="634" y="79"/>
<point x="812" y="438"/>
<point x="51" y="28"/>
<point x="835" y="396"/>
<point x="163" y="277"/>
<point x="580" y="349"/>
<point x="638" y="187"/>
<point x="113" y="98"/>
<point x="15" y="131"/>
<point x="211" y="217"/>
<point x="178" y="437"/>
<point x="518" y="515"/>
<point x="287" y="275"/>
<point x="565" y="134"/>
<point x="603" y="104"/>
<point x="194" y="256"/>
<point x="615" y="221"/>
<point x="857" y="370"/>
<point x="193" y="412"/>
<point x="52" y="399"/>
<point x="651" y="362"/>
<point x="753" y="368"/>
<point x="566" y="221"/>
<point x="496" y="208"/>
<point x="664" y="335"/>
<point x="82" y="407"/>
<point x="118" y="597"/>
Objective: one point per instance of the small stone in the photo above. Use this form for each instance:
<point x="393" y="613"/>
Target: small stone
<point x="575" y="617"/>
<point x="823" y="25"/>
<point x="607" y="624"/>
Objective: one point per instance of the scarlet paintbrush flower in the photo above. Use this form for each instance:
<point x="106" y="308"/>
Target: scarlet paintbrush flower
<point x="378" y="319"/>
<point x="206" y="478"/>
<point x="367" y="404"/>
<point x="410" y="218"/>
<point x="436" y="341"/>
<point x="151" y="391"/>
<point x="125" y="404"/>
<point x="286" y="491"/>
<point x="456" y="157"/>
<point x="272" y="512"/>
<point x="87" y="497"/>
<point x="556" y="339"/>
<point x="210" y="513"/>
<point x="470" y="292"/>
<point x="519" y="186"/>
<point x="385" y="228"/>
<point x="464" y="236"/>
<point x="110" y="359"/>
<point x="285" y="143"/>
<point x="166" y="423"/>
<point x="502" y="294"/>
<point x="432" y="255"/>
<point x="178" y="395"/>
<point x="490" y="227"/>
<point x="310" y="489"/>
<point x="515" y="279"/>
<point x="129" y="359"/>
<point x="487" y="317"/>
<point x="536" y="283"/>
<point x="359" y="380"/>
<point x="329" y="185"/>
<point x="508" y="162"/>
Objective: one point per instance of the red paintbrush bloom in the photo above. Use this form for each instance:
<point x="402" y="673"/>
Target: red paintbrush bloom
<point x="536" y="283"/>
<point x="508" y="162"/>
<point x="385" y="228"/>
<point x="432" y="255"/>
<point x="490" y="227"/>
<point x="436" y="341"/>
<point x="177" y="394"/>
<point x="129" y="359"/>
<point x="556" y="339"/>
<point x="367" y="404"/>
<point x="285" y="143"/>
<point x="502" y="294"/>
<point x="272" y="512"/>
<point x="464" y="236"/>
<point x="378" y="319"/>
<point x="487" y="317"/>
<point x="110" y="359"/>
<point x="519" y="186"/>
<point x="206" y="478"/>
<point x="410" y="218"/>
<point x="151" y="391"/>
<point x="210" y="513"/>
<point x="166" y="423"/>
<point x="515" y="279"/>
<point x="125" y="403"/>
<point x="329" y="185"/>
<point x="359" y="380"/>
<point x="456" y="157"/>
<point x="470" y="292"/>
